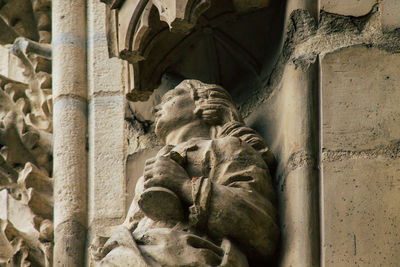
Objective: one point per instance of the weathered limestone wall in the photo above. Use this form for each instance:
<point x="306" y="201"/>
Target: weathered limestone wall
<point x="360" y="150"/>
<point x="326" y="103"/>
<point x="353" y="134"/>
<point x="360" y="144"/>
<point x="106" y="136"/>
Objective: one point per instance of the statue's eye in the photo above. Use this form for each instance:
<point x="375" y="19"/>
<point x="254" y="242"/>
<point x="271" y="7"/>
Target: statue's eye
<point x="168" y="98"/>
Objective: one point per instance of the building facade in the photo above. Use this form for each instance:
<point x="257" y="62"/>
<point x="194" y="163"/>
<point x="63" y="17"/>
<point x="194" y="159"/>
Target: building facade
<point x="317" y="80"/>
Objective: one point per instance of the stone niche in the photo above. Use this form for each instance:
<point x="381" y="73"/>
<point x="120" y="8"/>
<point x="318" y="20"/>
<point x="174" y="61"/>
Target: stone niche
<point x="231" y="43"/>
<point x="234" y="44"/>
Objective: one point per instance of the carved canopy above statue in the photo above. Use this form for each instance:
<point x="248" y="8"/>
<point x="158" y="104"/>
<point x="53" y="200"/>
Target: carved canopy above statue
<point x="156" y="36"/>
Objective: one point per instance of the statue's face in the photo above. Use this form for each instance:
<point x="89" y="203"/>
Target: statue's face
<point x="176" y="109"/>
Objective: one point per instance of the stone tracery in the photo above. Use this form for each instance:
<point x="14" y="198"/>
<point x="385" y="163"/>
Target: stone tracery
<point x="153" y="35"/>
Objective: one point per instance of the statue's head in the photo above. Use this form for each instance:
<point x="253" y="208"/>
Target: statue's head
<point x="211" y="105"/>
<point x="193" y="100"/>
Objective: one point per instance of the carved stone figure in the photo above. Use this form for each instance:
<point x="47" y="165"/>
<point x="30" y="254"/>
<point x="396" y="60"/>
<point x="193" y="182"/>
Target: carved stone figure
<point x="206" y="199"/>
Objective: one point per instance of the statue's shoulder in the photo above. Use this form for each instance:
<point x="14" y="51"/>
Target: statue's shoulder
<point x="231" y="145"/>
<point x="228" y="141"/>
<point x="234" y="147"/>
<point x="223" y="145"/>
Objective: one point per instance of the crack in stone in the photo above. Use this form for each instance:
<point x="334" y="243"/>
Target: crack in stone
<point x="102" y="93"/>
<point x="391" y="151"/>
<point x="70" y="97"/>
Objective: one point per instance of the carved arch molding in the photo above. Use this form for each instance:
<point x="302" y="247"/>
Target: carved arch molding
<point x="209" y="40"/>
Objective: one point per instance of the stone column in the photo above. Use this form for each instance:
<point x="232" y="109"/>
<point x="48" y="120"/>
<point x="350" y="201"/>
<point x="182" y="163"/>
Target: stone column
<point x="300" y="151"/>
<point x="70" y="124"/>
<point x="300" y="214"/>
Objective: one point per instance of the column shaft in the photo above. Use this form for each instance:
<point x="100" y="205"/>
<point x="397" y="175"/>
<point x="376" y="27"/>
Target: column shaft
<point x="70" y="126"/>
<point x="300" y="202"/>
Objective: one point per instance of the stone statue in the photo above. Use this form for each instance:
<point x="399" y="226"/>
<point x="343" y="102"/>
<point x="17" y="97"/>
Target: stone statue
<point x="206" y="199"/>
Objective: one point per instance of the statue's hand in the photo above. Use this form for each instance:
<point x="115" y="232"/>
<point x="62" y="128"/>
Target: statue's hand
<point x="165" y="172"/>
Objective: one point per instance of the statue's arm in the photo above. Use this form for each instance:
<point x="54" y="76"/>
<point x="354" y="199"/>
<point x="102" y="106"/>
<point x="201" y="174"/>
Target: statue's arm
<point x="236" y="202"/>
<point x="134" y="214"/>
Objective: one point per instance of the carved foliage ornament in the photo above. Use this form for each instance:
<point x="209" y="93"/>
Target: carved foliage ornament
<point x="26" y="186"/>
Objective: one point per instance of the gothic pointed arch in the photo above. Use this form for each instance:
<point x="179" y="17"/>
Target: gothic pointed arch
<point x="204" y="39"/>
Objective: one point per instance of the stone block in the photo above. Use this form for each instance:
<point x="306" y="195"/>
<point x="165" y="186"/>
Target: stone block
<point x="299" y="218"/>
<point x="105" y="78"/>
<point x="360" y="139"/>
<point x="106" y="158"/>
<point x="105" y="74"/>
<point x="390" y="14"/>
<point x="360" y="97"/>
<point x="348" y="7"/>
<point x="284" y="119"/>
<point x="360" y="213"/>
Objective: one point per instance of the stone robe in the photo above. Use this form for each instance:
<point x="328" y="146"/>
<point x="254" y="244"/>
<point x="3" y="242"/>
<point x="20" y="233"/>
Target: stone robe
<point x="232" y="218"/>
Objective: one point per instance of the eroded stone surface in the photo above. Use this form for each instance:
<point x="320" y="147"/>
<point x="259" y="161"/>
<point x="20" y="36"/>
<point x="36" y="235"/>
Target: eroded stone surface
<point x="360" y="111"/>
<point x="360" y="151"/>
<point x="107" y="150"/>
<point x="390" y="17"/>
<point x="347" y="7"/>
<point x="106" y="127"/>
<point x="135" y="167"/>
<point x="361" y="224"/>
<point x="26" y="227"/>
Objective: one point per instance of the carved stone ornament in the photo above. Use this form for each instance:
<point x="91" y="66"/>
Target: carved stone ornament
<point x="207" y="198"/>
<point x="152" y="34"/>
<point x="26" y="186"/>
